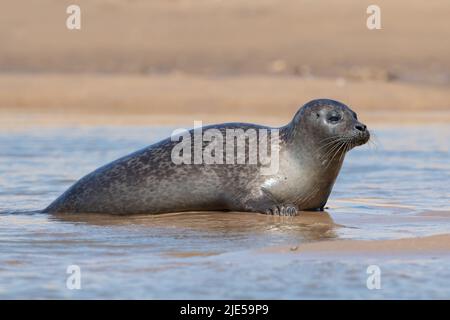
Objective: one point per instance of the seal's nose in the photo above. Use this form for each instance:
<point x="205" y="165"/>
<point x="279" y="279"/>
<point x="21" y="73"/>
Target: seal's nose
<point x="361" y="127"/>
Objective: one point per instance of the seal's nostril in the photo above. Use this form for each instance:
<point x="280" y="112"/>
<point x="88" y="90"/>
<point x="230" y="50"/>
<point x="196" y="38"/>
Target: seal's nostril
<point x="361" y="127"/>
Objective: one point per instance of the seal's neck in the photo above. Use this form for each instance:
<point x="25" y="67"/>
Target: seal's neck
<point x="318" y="151"/>
<point x="318" y="170"/>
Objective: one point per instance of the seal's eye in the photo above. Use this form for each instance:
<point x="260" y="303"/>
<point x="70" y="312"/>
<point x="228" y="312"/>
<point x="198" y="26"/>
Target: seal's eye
<point x="334" y="118"/>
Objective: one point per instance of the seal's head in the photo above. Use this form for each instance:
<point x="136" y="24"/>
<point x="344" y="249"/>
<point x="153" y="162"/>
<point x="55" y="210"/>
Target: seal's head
<point x="331" y="122"/>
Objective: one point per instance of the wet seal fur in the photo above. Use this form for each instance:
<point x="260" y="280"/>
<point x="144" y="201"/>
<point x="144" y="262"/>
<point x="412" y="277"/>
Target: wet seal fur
<point x="311" y="152"/>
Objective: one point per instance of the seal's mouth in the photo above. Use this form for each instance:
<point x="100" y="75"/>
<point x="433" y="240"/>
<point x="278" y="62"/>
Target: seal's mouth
<point x="360" y="134"/>
<point x="342" y="143"/>
<point x="360" y="137"/>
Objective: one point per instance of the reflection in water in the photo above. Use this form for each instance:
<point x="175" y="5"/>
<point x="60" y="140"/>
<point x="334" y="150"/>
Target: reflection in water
<point x="214" y="254"/>
<point x="308" y="226"/>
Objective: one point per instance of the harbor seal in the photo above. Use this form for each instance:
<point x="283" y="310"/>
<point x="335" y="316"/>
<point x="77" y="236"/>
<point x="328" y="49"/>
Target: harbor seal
<point x="311" y="151"/>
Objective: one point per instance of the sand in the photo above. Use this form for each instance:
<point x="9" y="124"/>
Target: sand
<point x="289" y="37"/>
<point x="179" y="99"/>
<point x="430" y="245"/>
<point x="173" y="62"/>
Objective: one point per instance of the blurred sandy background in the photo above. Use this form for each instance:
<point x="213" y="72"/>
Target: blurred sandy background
<point x="175" y="61"/>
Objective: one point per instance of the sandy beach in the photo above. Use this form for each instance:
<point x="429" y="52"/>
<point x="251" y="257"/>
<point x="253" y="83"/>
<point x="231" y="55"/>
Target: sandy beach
<point x="172" y="62"/>
<point x="289" y="37"/>
<point x="54" y="99"/>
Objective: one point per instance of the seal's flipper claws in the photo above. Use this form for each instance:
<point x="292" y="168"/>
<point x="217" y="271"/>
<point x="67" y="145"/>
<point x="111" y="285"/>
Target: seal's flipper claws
<point x="292" y="211"/>
<point x="283" y="210"/>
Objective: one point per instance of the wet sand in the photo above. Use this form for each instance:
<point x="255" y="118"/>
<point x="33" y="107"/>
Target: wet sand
<point x="431" y="245"/>
<point x="320" y="227"/>
<point x="319" y="230"/>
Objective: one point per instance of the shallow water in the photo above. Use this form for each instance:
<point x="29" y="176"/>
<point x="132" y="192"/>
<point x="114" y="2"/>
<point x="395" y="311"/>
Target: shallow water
<point x="397" y="188"/>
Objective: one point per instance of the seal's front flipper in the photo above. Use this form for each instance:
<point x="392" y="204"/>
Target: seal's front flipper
<point x="264" y="201"/>
<point x="283" y="210"/>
